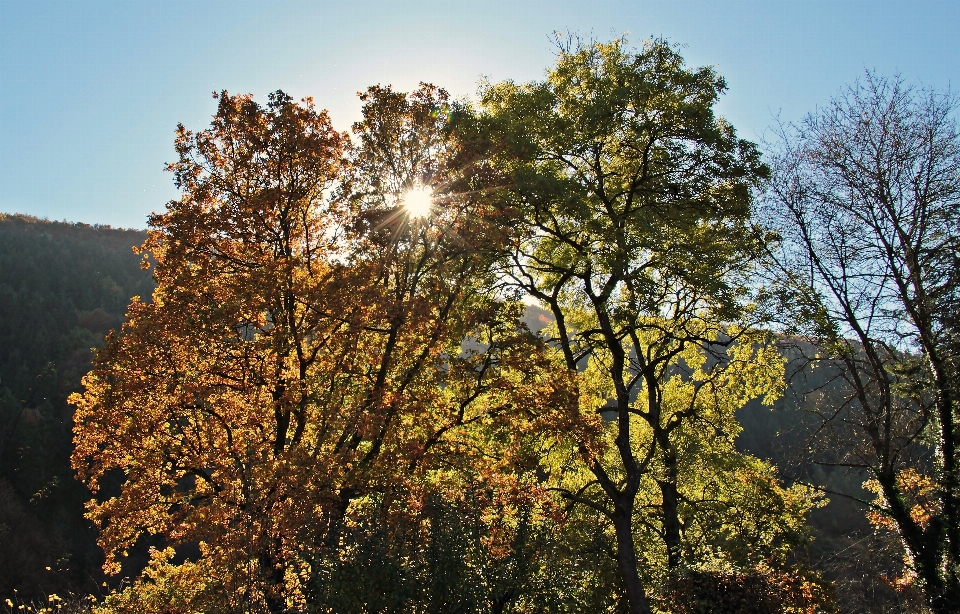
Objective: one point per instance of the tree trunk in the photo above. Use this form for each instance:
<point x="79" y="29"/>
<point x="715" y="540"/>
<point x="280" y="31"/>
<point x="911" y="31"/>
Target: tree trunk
<point x="273" y="574"/>
<point x="671" y="510"/>
<point x="500" y="603"/>
<point x="627" y="560"/>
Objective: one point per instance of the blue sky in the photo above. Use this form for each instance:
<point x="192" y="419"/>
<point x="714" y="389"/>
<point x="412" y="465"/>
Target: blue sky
<point x="91" y="90"/>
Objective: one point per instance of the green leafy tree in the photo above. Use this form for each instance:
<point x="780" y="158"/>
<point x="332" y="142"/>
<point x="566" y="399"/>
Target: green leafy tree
<point x="630" y="203"/>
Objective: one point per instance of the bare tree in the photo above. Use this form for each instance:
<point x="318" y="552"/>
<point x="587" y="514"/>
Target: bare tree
<point x="866" y="191"/>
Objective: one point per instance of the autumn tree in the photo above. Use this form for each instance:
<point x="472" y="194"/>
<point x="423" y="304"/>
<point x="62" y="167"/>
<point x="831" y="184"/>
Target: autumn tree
<point x="630" y="204"/>
<point x="302" y="354"/>
<point x="203" y="400"/>
<point x="866" y="192"/>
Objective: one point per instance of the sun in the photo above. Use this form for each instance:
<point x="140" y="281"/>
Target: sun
<point x="418" y="201"/>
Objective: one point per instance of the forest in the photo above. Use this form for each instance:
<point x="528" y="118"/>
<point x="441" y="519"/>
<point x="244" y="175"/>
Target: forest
<point x="574" y="346"/>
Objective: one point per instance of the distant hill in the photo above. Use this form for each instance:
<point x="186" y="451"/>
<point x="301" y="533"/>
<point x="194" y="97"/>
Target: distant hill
<point x="846" y="549"/>
<point x="62" y="287"/>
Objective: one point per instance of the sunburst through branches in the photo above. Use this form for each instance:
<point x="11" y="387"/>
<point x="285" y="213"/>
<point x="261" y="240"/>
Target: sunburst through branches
<point x="418" y="201"/>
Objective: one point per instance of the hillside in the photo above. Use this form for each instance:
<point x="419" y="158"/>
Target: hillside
<point x="846" y="549"/>
<point x="62" y="287"/>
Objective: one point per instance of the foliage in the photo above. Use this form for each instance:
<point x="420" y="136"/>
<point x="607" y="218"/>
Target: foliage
<point x="333" y="404"/>
<point x="631" y="205"/>
<point x="763" y="591"/>
<point x="163" y="587"/>
<point x="304" y="350"/>
<point x="461" y="555"/>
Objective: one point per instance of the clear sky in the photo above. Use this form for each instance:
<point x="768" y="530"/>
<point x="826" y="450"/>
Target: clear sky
<point x="91" y="90"/>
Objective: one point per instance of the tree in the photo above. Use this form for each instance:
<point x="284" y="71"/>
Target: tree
<point x="204" y="398"/>
<point x="867" y="192"/>
<point x="631" y="209"/>
<point x="303" y="353"/>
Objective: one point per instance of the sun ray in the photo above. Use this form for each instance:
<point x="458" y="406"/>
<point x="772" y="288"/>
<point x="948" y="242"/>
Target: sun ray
<point x="418" y="201"/>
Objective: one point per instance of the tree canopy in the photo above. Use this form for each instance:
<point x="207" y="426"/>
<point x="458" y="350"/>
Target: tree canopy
<point x="488" y="357"/>
<point x="303" y="355"/>
<point x="632" y="207"/>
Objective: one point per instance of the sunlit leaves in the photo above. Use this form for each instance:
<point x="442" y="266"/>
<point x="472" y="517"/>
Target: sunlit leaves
<point x="305" y="350"/>
<point x="630" y="204"/>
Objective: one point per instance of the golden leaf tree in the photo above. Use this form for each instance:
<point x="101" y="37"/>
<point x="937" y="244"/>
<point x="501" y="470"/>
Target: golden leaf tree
<point x="311" y="346"/>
